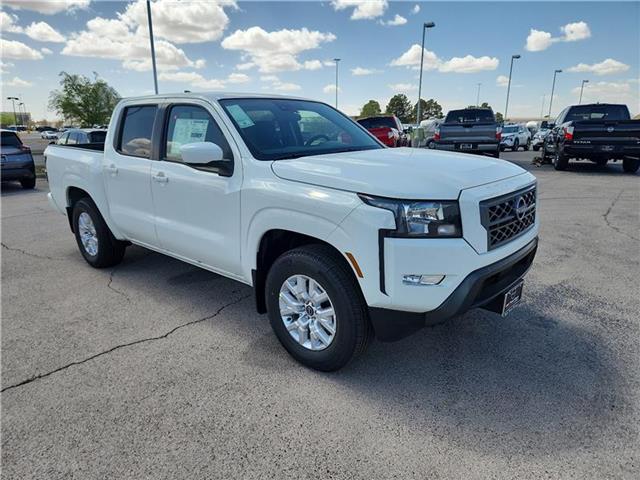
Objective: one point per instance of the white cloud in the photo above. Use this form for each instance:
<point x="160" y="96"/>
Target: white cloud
<point x="312" y="65"/>
<point x="403" y="87"/>
<point x="5" y="66"/>
<point x="43" y="32"/>
<point x="238" y="78"/>
<point x="415" y="9"/>
<point x="46" y="7"/>
<point x="245" y="66"/>
<point x="359" y="71"/>
<point x="606" y="67"/>
<point x="269" y="78"/>
<point x="395" y="22"/>
<point x="276" y="51"/>
<point x="362" y="9"/>
<point x="538" y="40"/>
<point x="466" y="64"/>
<point x="331" y="88"/>
<point x="46" y="51"/>
<point x="18" y="50"/>
<point x="17" y="82"/>
<point x="181" y="21"/>
<point x="8" y="23"/>
<point x="191" y="78"/>
<point x="574" y="32"/>
<point x="615" y="92"/>
<point x="502" y="81"/>
<point x="286" y="87"/>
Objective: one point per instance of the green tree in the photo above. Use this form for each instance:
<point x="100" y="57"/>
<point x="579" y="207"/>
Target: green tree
<point x="399" y="106"/>
<point x="499" y="117"/>
<point x="370" y="109"/>
<point x="428" y="109"/>
<point x="82" y="100"/>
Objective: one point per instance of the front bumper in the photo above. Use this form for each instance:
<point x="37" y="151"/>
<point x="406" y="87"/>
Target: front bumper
<point x="478" y="289"/>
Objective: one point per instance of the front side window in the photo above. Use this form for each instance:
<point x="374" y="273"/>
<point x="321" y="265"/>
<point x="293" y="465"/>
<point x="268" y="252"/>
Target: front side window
<point x="136" y="130"/>
<point x="276" y="129"/>
<point x="190" y="124"/>
<point x="63" y="139"/>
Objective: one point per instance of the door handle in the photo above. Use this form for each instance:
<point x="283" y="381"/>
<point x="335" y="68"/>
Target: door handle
<point x="160" y="178"/>
<point x="112" y="169"/>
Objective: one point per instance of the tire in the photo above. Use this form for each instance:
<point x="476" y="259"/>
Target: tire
<point x="527" y="146"/>
<point x="496" y="154"/>
<point x="108" y="250"/>
<point x="536" y="148"/>
<point x="630" y="165"/>
<point x="560" y="161"/>
<point x="516" y="145"/>
<point x="502" y="148"/>
<point x="431" y="144"/>
<point x="28" y="183"/>
<point x="352" y="330"/>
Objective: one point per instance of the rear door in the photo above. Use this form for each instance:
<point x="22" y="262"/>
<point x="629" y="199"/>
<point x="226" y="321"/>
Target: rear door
<point x="197" y="208"/>
<point x="127" y="174"/>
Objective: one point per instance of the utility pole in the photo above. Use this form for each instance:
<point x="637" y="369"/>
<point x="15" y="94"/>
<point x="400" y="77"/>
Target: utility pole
<point x="336" y="60"/>
<point x="424" y="29"/>
<point x="153" y="49"/>
<point x="478" y="95"/>
<point x="542" y="107"/>
<point x="506" y="107"/>
<point x="553" y="87"/>
<point x="582" y="89"/>
<point x="13" y="102"/>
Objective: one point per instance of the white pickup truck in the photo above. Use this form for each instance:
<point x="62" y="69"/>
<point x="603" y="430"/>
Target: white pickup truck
<point x="341" y="238"/>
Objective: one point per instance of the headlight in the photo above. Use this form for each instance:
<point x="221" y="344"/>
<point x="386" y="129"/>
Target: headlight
<point x="421" y="218"/>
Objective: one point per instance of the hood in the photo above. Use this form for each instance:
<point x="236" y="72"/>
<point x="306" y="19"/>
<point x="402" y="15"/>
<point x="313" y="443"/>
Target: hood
<point x="397" y="173"/>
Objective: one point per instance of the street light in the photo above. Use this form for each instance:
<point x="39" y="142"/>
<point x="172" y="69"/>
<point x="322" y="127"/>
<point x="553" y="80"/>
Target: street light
<point x="424" y="29"/>
<point x="553" y="87"/>
<point x="506" y="107"/>
<point x="542" y="106"/>
<point x="153" y="50"/>
<point x="582" y="89"/>
<point x="336" y="60"/>
<point x="13" y="101"/>
<point x="23" y="112"/>
<point x="478" y="95"/>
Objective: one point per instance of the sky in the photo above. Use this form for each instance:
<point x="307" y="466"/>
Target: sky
<point x="288" y="47"/>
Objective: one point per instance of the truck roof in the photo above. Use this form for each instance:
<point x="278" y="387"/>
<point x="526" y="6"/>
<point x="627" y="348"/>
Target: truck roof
<point x="215" y="96"/>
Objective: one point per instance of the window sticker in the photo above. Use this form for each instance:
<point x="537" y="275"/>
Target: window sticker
<point x="187" y="130"/>
<point x="240" y="116"/>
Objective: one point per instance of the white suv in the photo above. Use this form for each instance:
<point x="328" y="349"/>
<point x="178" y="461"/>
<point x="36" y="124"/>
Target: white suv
<point x="341" y="238"/>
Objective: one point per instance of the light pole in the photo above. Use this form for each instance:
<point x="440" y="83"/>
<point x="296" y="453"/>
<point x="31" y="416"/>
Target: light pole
<point x="153" y="49"/>
<point x="336" y="60"/>
<point x="424" y="29"/>
<point x="506" y="107"/>
<point x="23" y="112"/>
<point x="582" y="89"/>
<point x="13" y="102"/>
<point x="553" y="87"/>
<point x="478" y="95"/>
<point x="542" y="106"/>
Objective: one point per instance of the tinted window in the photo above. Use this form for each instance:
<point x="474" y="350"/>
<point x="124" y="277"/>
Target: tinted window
<point x="97" y="137"/>
<point x="136" y="129"/>
<point x="597" y="112"/>
<point x="73" y="138"/>
<point x="470" y="115"/>
<point x="510" y="130"/>
<point x="190" y="124"/>
<point x="10" y="139"/>
<point x="275" y="129"/>
<point x="378" y="122"/>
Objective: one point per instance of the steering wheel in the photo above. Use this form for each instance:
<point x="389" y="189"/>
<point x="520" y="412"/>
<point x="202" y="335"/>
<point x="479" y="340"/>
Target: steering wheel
<point x="314" y="138"/>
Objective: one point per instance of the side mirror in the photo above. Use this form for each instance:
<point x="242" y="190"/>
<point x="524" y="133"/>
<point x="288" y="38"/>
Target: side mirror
<point x="201" y="153"/>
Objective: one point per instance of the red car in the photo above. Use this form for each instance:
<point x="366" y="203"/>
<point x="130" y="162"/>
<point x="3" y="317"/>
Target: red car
<point x="387" y="129"/>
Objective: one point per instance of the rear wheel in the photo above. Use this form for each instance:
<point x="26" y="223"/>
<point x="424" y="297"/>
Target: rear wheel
<point x="28" y="183"/>
<point x="630" y="165"/>
<point x="431" y="144"/>
<point x="316" y="308"/>
<point x="96" y="242"/>
<point x="560" y="161"/>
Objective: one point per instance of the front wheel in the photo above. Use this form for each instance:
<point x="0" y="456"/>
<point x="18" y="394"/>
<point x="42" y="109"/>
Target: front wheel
<point x="560" y="161"/>
<point x="316" y="308"/>
<point x="630" y="165"/>
<point x="96" y="242"/>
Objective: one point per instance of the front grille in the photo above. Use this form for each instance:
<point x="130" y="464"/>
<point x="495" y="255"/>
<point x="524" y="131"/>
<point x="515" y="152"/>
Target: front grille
<point x="509" y="216"/>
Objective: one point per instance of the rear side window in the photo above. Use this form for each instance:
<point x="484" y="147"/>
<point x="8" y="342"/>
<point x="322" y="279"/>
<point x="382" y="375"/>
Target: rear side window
<point x="136" y="129"/>
<point x="378" y="122"/>
<point x="97" y="137"/>
<point x="10" y="139"/>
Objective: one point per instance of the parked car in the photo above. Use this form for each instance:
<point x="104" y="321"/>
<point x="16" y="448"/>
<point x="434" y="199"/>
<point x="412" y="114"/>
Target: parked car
<point x="387" y="129"/>
<point x="429" y="128"/>
<point x="49" y="135"/>
<point x="596" y="132"/>
<point x="340" y="238"/>
<point x="470" y="130"/>
<point x="82" y="136"/>
<point x="515" y="136"/>
<point x="17" y="161"/>
<point x="538" y="138"/>
<point x="46" y="128"/>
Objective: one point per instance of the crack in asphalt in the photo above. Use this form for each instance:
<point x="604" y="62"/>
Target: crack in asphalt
<point x="123" y="345"/>
<point x="110" y="287"/>
<point x="29" y="254"/>
<point x="613" y="227"/>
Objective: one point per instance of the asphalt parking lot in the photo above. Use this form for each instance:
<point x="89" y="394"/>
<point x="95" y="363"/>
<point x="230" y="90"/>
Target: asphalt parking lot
<point x="156" y="369"/>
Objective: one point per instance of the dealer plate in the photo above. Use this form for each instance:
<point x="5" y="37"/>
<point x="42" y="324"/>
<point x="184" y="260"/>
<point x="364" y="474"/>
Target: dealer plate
<point x="512" y="298"/>
<point x="466" y="146"/>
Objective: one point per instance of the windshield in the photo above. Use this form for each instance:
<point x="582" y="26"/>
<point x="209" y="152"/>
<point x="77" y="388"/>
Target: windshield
<point x="275" y="129"/>
<point x="10" y="139"/>
<point x="470" y="115"/>
<point x="510" y="130"/>
<point x="598" y="112"/>
<point x="378" y="122"/>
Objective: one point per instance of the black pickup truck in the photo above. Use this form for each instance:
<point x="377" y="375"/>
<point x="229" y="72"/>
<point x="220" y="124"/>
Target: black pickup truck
<point x="597" y="132"/>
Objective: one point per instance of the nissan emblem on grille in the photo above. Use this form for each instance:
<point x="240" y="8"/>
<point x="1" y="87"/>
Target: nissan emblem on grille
<point x="509" y="216"/>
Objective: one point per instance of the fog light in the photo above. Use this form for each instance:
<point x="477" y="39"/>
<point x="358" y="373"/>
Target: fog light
<point x="422" y="279"/>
